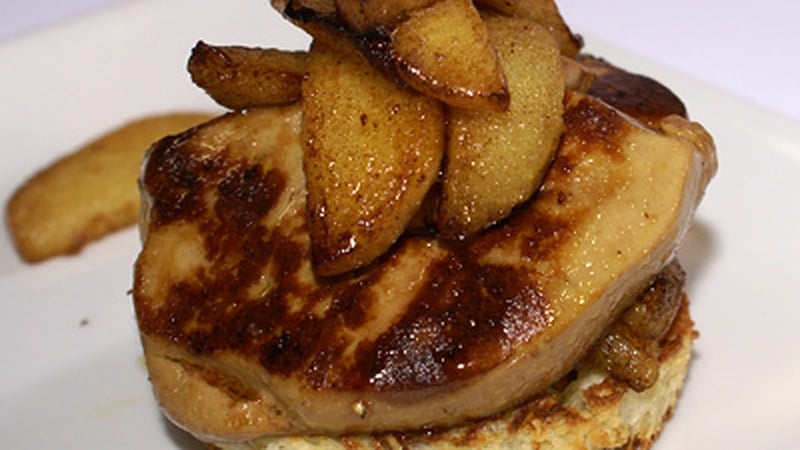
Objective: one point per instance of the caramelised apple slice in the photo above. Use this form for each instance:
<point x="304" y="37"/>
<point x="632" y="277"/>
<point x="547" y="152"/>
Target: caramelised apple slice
<point x="444" y="52"/>
<point x="372" y="151"/>
<point x="239" y="77"/>
<point x="495" y="160"/>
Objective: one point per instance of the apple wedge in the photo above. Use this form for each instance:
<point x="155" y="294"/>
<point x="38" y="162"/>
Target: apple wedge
<point x="495" y="160"/>
<point x="444" y="52"/>
<point x="372" y="151"/>
<point x="238" y="77"/>
<point x="89" y="192"/>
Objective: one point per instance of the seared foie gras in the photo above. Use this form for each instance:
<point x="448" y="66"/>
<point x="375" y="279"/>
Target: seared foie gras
<point x="243" y="340"/>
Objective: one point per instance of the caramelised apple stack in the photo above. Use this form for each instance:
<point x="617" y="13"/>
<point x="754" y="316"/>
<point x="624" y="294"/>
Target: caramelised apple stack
<point x="394" y="93"/>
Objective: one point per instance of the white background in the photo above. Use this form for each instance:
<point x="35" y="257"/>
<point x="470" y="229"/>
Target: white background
<point x="750" y="48"/>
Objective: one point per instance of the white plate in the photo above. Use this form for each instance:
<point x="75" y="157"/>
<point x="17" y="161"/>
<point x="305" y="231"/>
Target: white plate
<point x="72" y="376"/>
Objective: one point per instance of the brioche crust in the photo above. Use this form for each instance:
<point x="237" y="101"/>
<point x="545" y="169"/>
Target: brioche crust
<point x="593" y="411"/>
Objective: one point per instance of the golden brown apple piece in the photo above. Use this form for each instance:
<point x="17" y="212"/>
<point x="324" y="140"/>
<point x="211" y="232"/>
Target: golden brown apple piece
<point x="372" y="151"/>
<point x="544" y="12"/>
<point x="495" y="160"/>
<point x="239" y="77"/>
<point x="444" y="52"/>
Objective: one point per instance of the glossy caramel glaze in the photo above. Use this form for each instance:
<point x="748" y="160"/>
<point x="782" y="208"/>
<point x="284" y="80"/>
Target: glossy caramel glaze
<point x="242" y="339"/>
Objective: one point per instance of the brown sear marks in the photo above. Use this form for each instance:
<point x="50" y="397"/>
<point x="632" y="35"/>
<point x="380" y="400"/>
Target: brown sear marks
<point x="246" y="195"/>
<point x="464" y="320"/>
<point x="176" y="179"/>
<point x="637" y="95"/>
<point x="589" y="122"/>
<point x="214" y="310"/>
<point x="314" y="344"/>
<point x="547" y="235"/>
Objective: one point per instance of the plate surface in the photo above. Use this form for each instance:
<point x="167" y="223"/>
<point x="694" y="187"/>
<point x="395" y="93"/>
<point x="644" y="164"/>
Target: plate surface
<point x="72" y="373"/>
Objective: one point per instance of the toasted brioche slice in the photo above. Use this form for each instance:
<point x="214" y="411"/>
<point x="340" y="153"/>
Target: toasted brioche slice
<point x="593" y="411"/>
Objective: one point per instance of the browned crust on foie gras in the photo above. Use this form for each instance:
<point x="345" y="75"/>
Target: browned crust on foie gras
<point x="634" y="94"/>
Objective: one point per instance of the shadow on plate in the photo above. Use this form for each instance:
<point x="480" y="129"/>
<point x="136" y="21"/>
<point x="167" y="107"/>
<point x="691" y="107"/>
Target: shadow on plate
<point x="182" y="439"/>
